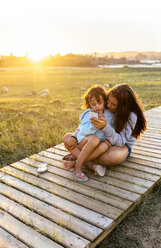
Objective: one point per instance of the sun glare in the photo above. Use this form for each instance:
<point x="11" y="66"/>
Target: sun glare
<point x="37" y="51"/>
<point x="35" y="46"/>
<point x="35" y="56"/>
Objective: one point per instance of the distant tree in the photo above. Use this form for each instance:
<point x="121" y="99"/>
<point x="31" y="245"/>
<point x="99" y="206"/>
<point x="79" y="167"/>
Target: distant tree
<point x="140" y="56"/>
<point x="58" y="55"/>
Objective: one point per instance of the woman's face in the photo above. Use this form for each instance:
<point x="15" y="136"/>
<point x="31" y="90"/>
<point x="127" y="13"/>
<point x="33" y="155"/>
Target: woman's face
<point x="112" y="103"/>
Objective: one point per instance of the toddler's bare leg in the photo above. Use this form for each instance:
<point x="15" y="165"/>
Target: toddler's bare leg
<point x="98" y="151"/>
<point x="87" y="145"/>
<point x="68" y="164"/>
<point x="75" y="151"/>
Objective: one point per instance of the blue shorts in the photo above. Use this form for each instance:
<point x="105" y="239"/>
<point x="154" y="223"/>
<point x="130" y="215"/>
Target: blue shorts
<point x="129" y="150"/>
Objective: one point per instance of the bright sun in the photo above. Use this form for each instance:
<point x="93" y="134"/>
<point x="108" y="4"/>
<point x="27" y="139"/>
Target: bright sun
<point x="37" y="51"/>
<point x="36" y="48"/>
<point x="36" y="56"/>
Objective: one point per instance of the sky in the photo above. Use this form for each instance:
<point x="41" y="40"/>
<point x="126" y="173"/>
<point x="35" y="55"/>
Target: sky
<point x="44" y="27"/>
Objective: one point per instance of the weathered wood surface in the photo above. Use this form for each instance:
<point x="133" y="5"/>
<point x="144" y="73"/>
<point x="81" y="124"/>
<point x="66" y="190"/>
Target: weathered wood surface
<point x="54" y="210"/>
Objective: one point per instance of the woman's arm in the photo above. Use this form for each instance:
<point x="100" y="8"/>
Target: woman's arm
<point x="117" y="139"/>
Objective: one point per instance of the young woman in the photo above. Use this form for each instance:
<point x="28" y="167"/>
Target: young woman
<point x="127" y="126"/>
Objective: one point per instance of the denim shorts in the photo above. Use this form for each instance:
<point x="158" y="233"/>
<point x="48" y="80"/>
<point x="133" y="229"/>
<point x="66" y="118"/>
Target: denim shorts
<point x="129" y="150"/>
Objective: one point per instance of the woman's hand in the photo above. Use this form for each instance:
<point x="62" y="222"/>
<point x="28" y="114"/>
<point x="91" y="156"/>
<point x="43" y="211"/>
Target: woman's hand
<point x="107" y="143"/>
<point x="99" y="123"/>
<point x="70" y="143"/>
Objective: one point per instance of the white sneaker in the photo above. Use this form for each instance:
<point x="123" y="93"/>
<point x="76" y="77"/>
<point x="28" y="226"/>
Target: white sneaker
<point x="101" y="170"/>
<point x="42" y="167"/>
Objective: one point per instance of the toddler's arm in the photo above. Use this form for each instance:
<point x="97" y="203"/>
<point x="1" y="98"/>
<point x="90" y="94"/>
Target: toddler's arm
<point x="86" y="128"/>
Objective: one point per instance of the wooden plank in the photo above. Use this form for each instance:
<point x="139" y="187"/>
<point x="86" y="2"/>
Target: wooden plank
<point x="117" y="183"/>
<point x="153" y="129"/>
<point x="152" y="140"/>
<point x="109" y="180"/>
<point x="153" y="114"/>
<point x="152" y="159"/>
<point x="51" y="155"/>
<point x="156" y="125"/>
<point x="152" y="123"/>
<point x="144" y="168"/>
<point x="147" y="153"/>
<point x="9" y="241"/>
<point x="142" y="161"/>
<point x="61" y="147"/>
<point x="134" y="149"/>
<point x="155" y="137"/>
<point x="152" y="118"/>
<point x="24" y="232"/>
<point x="51" y="161"/>
<point x="148" y="142"/>
<point x="152" y="134"/>
<point x="93" y="183"/>
<point x="84" y="201"/>
<point x="128" y="178"/>
<point x="149" y="178"/>
<point x="130" y="209"/>
<point x="57" y="151"/>
<point x="85" y="189"/>
<point x="58" y="202"/>
<point x="148" y="148"/>
<point x="45" y="226"/>
<point x="120" y="183"/>
<point x="64" y="219"/>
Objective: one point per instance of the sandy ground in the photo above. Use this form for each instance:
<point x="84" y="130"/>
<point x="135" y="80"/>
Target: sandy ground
<point x="141" y="228"/>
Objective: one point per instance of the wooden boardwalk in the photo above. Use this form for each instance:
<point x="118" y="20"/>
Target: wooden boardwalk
<point x="53" y="210"/>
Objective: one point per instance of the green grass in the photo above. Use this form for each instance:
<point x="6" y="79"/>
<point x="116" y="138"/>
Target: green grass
<point x="30" y="124"/>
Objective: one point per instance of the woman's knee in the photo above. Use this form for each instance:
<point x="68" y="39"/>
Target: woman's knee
<point x="103" y="147"/>
<point x="113" y="156"/>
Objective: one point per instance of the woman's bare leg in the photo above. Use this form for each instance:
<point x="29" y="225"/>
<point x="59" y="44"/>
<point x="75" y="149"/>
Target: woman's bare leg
<point x="114" y="156"/>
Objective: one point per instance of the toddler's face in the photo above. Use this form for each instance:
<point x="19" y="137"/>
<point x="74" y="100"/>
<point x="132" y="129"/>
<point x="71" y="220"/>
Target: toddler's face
<point x="97" y="106"/>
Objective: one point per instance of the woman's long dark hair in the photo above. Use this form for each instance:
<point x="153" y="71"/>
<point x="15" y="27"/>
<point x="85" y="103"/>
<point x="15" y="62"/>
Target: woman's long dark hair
<point x="128" y="102"/>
